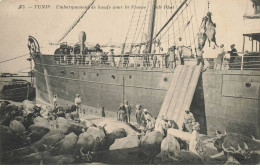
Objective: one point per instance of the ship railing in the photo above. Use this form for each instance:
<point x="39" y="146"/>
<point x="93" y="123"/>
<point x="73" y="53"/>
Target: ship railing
<point x="244" y="61"/>
<point x="120" y="60"/>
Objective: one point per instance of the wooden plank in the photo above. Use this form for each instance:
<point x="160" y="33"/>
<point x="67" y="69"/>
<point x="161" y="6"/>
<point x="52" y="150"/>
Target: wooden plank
<point x="169" y="94"/>
<point x="189" y="94"/>
<point x="176" y="93"/>
<point x="182" y="94"/>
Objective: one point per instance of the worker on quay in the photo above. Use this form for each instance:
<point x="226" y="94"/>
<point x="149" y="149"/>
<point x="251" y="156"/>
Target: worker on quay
<point x="150" y="121"/>
<point x="78" y="103"/>
<point x="188" y="121"/>
<point x="161" y="123"/>
<point x="195" y="145"/>
<point x="139" y="115"/>
<point x="121" y="113"/>
<point x="54" y="101"/>
<point x="128" y="110"/>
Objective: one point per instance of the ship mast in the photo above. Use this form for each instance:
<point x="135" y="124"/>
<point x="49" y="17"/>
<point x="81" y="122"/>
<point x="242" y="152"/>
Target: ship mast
<point x="151" y="28"/>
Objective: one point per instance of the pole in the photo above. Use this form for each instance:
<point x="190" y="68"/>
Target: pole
<point x="123" y="89"/>
<point x="243" y="49"/>
<point x="151" y="27"/>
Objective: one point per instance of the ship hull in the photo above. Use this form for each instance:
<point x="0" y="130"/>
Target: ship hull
<point x="223" y="100"/>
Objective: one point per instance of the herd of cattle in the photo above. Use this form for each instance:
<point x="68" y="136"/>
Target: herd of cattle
<point x="37" y="134"/>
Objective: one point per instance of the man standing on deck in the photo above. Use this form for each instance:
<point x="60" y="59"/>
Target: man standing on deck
<point x="78" y="103"/>
<point x="180" y="52"/>
<point x="219" y="60"/>
<point x="171" y="58"/>
<point x="200" y="56"/>
<point x="188" y="121"/>
<point x="233" y="53"/>
<point x="128" y="111"/>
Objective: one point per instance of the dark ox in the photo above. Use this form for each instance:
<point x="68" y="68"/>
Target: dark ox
<point x="243" y="149"/>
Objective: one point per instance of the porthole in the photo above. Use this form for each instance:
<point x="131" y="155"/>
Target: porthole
<point x="165" y="79"/>
<point x="248" y="84"/>
<point x="84" y="73"/>
<point x="97" y="74"/>
<point x="130" y="76"/>
<point x="113" y="76"/>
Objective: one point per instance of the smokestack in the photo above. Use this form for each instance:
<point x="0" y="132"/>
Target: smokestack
<point x="82" y="39"/>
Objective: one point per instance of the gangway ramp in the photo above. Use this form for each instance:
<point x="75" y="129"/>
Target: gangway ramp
<point x="180" y="93"/>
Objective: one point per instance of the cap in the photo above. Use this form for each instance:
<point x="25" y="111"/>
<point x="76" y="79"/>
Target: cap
<point x="145" y="110"/>
<point x="126" y="101"/>
<point x="187" y="110"/>
<point x="196" y="125"/>
<point x="77" y="94"/>
<point x="233" y="45"/>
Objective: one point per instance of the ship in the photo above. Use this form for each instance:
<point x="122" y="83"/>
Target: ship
<point x="226" y="100"/>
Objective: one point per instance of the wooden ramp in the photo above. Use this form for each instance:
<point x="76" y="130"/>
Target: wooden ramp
<point x="180" y="93"/>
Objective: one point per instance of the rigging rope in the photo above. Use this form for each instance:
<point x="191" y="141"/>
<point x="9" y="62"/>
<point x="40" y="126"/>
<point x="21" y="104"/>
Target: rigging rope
<point x="183" y="26"/>
<point x="194" y="40"/>
<point x="77" y="21"/>
<point x="189" y="25"/>
<point x="14" y="58"/>
<point x="195" y="11"/>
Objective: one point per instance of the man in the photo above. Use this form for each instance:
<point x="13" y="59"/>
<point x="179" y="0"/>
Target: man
<point x="111" y="59"/>
<point x="128" y="110"/>
<point x="78" y="103"/>
<point x="188" y="121"/>
<point x="171" y="58"/>
<point x="180" y="52"/>
<point x="233" y="53"/>
<point x="54" y="100"/>
<point x="219" y="60"/>
<point x="150" y="121"/>
<point x="196" y="146"/>
<point x="200" y="56"/>
<point x="121" y="113"/>
<point x="139" y="115"/>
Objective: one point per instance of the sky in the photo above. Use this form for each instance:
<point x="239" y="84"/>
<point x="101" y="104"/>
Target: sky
<point x="21" y="18"/>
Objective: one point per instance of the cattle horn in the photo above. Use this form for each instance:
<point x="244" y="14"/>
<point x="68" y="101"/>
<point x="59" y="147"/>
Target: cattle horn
<point x="246" y="146"/>
<point x="81" y="152"/>
<point x="239" y="148"/>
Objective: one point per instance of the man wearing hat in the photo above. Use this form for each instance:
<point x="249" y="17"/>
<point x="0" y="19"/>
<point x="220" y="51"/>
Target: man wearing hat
<point x="180" y="52"/>
<point x="128" y="110"/>
<point x="78" y="102"/>
<point x="171" y="58"/>
<point x="233" y="53"/>
<point x="219" y="60"/>
<point x="188" y="121"/>
<point x="111" y="59"/>
<point x="139" y="115"/>
<point x="150" y="121"/>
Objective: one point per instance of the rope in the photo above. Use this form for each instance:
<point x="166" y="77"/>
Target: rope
<point x="77" y="21"/>
<point x="194" y="40"/>
<point x="14" y="58"/>
<point x="189" y="23"/>
<point x="173" y="26"/>
<point x="183" y="25"/>
<point x="137" y="25"/>
<point x="195" y="11"/>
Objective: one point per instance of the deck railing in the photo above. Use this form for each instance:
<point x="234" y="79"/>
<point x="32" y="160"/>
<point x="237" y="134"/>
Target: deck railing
<point x="244" y="61"/>
<point x="122" y="60"/>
